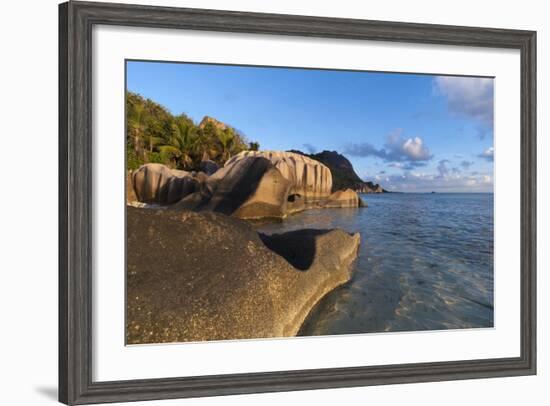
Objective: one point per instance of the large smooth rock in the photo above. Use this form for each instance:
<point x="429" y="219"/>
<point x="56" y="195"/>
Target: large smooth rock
<point x="249" y="188"/>
<point x="215" y="123"/>
<point x="156" y="183"/>
<point x="343" y="199"/>
<point x="251" y="185"/>
<point x="205" y="276"/>
<point x="308" y="178"/>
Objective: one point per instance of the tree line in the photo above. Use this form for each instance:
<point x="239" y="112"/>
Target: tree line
<point x="153" y="134"/>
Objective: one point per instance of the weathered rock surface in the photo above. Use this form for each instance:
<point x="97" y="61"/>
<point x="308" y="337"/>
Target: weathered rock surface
<point x="343" y="199"/>
<point x="308" y="178"/>
<point x="211" y="120"/>
<point x="209" y="167"/>
<point x="296" y="203"/>
<point x="251" y="185"/>
<point x="250" y="188"/>
<point x="156" y="183"/>
<point x="205" y="276"/>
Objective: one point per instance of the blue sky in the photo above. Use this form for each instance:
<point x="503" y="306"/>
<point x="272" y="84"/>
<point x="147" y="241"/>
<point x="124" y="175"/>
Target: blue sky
<point x="408" y="132"/>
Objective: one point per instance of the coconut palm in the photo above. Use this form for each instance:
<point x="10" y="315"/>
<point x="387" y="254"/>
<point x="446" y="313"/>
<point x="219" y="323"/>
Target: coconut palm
<point x="207" y="144"/>
<point x="227" y="140"/>
<point x="155" y="135"/>
<point x="136" y="125"/>
<point x="182" y="143"/>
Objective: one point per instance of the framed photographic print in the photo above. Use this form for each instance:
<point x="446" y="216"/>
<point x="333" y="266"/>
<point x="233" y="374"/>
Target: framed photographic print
<point x="258" y="202"/>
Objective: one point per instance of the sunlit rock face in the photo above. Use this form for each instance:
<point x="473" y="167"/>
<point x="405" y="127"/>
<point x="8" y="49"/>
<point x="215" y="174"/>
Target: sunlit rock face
<point x="156" y="183"/>
<point x="251" y="185"/>
<point x="211" y="120"/>
<point x="308" y="178"/>
<point x="248" y="188"/>
<point x="344" y="199"/>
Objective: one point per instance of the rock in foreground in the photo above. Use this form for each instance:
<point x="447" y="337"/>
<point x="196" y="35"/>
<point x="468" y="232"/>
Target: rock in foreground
<point x="205" y="276"/>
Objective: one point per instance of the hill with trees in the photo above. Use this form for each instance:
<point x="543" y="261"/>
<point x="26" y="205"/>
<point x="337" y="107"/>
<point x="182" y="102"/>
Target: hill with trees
<point x="154" y="135"/>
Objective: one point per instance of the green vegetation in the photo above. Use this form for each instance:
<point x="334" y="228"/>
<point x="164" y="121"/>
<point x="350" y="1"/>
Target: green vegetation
<point x="153" y="134"/>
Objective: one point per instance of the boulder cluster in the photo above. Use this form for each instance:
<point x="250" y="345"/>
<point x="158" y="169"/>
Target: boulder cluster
<point x="308" y="178"/>
<point x="197" y="271"/>
<point x="251" y="185"/>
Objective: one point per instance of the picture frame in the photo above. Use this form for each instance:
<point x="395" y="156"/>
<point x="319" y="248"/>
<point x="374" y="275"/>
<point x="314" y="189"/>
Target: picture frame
<point x="76" y="20"/>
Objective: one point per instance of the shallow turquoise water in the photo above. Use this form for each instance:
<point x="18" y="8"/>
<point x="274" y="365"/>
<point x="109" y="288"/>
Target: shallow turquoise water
<point x="425" y="263"/>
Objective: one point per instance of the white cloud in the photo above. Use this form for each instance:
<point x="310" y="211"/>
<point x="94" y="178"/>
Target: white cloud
<point x="469" y="97"/>
<point x="415" y="149"/>
<point x="488" y="154"/>
<point x="446" y="178"/>
<point x="406" y="153"/>
<point x="450" y="182"/>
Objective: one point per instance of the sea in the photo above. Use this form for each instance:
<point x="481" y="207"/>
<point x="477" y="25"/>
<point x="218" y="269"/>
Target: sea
<point x="425" y="263"/>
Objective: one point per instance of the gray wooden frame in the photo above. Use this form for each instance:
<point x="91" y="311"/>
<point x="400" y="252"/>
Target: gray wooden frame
<point x="76" y="20"/>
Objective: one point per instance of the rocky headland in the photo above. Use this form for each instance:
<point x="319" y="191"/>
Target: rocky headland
<point x="251" y="185"/>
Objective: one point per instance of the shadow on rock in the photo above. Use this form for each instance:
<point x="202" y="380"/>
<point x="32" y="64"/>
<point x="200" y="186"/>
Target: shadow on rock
<point x="297" y="247"/>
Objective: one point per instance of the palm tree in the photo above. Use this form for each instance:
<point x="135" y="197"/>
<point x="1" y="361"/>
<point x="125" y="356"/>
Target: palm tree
<point x="155" y="135"/>
<point x="208" y="146"/>
<point x="153" y="141"/>
<point x="136" y="125"/>
<point x="182" y="142"/>
<point x="227" y="140"/>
